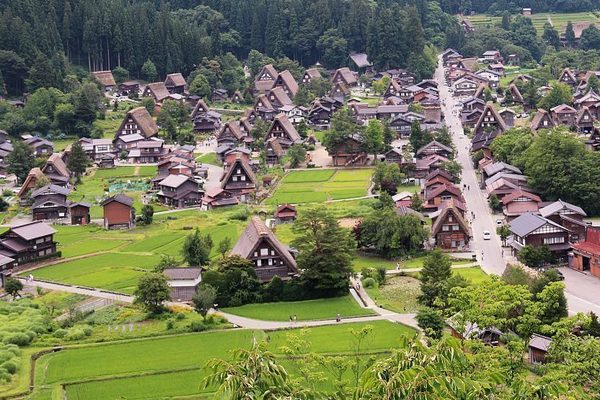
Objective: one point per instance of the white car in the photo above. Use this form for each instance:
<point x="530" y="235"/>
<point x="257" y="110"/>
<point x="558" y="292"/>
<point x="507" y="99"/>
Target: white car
<point x="487" y="235"/>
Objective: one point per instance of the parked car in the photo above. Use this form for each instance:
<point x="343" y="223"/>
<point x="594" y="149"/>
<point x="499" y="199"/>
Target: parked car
<point x="487" y="235"/>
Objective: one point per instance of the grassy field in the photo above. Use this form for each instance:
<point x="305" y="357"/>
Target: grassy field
<point x="128" y="378"/>
<point x="399" y="294"/>
<point x="303" y="310"/>
<point x="116" y="259"/>
<point x="473" y="274"/>
<point x="208" y="158"/>
<point x="559" y="21"/>
<point x="320" y="185"/>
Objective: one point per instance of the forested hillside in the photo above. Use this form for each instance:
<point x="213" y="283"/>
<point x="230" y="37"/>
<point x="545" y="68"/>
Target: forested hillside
<point x="48" y="36"/>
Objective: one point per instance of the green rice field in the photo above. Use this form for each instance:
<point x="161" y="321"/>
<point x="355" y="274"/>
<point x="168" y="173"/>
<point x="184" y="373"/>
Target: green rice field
<point x="319" y="185"/>
<point x="173" y="366"/>
<point x="114" y="260"/>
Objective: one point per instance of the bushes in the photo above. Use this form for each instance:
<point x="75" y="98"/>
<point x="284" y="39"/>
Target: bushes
<point x="240" y="215"/>
<point x="197" y="326"/>
<point x="376" y="274"/>
<point x="369" y="283"/>
<point x="18" y="338"/>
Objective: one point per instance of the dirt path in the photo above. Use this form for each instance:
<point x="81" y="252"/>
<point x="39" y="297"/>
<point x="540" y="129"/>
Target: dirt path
<point x="136" y="170"/>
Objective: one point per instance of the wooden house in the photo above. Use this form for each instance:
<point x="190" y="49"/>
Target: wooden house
<point x="286" y="81"/>
<point x="584" y="121"/>
<point x="585" y="255"/>
<point x="424" y="166"/>
<point x="541" y="120"/>
<point x="147" y="152"/>
<point x="435" y="199"/>
<point x="310" y="74"/>
<point x="349" y="153"/>
<point x="285" y="213"/>
<point x="183" y="282"/>
<point x="487" y="128"/>
<point x="520" y="202"/>
<point x="537" y="348"/>
<point x="80" y="213"/>
<point x="219" y="95"/>
<point x="237" y="97"/>
<point x="563" y="115"/>
<point x="270" y="257"/>
<point x="465" y="86"/>
<point x="179" y="191"/>
<point x="106" y="80"/>
<point x="515" y="95"/>
<point x="449" y="229"/>
<point x="279" y="98"/>
<point x="6" y="268"/>
<point x="403" y="199"/>
<point x="175" y="83"/>
<point x="40" y="146"/>
<point x="118" y="212"/>
<point x="28" y="242"/>
<point x="239" y="179"/>
<point x="589" y="100"/>
<point x="129" y="88"/>
<point x="282" y="129"/>
<point x="568" y="216"/>
<point x="157" y="90"/>
<point x="30" y="182"/>
<point x="230" y="135"/>
<point x="568" y="77"/>
<point x="50" y="202"/>
<point x="56" y="170"/>
<point x="345" y="76"/>
<point x="508" y="116"/>
<point x="434" y="147"/>
<point x="217" y="197"/>
<point x="535" y="230"/>
<point x="265" y="79"/>
<point x="137" y="120"/>
<point x="492" y="56"/>
<point x="274" y="151"/>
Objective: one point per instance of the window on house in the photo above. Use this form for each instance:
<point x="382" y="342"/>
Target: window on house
<point x="445" y="228"/>
<point x="264" y="252"/>
<point x="554" y="240"/>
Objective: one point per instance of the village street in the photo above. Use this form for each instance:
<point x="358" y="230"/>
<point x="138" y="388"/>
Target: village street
<point x="582" y="291"/>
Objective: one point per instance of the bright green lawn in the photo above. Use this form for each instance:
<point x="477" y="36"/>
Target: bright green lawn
<point x="208" y="158"/>
<point x="473" y="274"/>
<point x="316" y="186"/>
<point x="304" y="310"/>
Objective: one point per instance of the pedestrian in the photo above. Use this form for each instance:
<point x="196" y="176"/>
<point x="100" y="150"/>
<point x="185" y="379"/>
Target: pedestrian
<point x="291" y="319"/>
<point x="338" y="318"/>
<point x="397" y="266"/>
<point x="216" y="307"/>
<point x="295" y="318"/>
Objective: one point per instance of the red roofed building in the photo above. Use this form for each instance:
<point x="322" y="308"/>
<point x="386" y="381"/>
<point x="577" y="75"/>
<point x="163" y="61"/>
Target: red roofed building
<point x="585" y="256"/>
<point x="285" y="213"/>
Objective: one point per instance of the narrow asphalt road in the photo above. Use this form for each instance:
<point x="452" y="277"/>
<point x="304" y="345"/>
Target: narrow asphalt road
<point x="582" y="291"/>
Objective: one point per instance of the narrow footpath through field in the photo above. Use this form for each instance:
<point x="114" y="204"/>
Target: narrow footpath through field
<point x="250" y="323"/>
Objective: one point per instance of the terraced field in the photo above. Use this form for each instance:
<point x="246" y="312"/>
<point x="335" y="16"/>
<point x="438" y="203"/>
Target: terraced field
<point x="559" y="21"/>
<point x="173" y="366"/>
<point x="313" y="186"/>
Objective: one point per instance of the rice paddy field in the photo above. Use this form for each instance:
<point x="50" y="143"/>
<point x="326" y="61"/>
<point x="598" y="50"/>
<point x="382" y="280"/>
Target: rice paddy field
<point x="114" y="260"/>
<point x="319" y="185"/>
<point x="558" y="20"/>
<point x="172" y="367"/>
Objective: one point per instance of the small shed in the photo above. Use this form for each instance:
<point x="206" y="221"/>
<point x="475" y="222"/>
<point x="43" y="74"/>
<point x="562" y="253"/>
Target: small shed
<point x="118" y="212"/>
<point x="285" y="213"/>
<point x="538" y="348"/>
<point x="183" y="282"/>
<point x="80" y="213"/>
<point x="107" y="161"/>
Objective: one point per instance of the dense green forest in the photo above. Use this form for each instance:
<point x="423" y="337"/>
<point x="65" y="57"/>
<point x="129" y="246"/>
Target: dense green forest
<point x="52" y="35"/>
